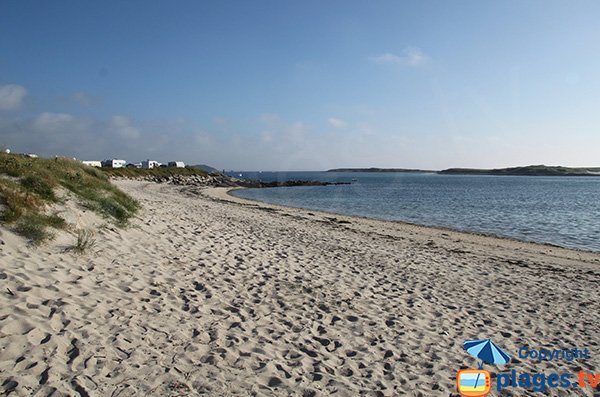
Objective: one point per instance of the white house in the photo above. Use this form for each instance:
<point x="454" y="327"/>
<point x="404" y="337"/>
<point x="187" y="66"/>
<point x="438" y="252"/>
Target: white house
<point x="92" y="163"/>
<point x="177" y="164"/>
<point x="150" y="164"/>
<point x="114" y="163"/>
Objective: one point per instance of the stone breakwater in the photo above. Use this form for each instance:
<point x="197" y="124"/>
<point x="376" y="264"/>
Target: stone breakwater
<point x="215" y="180"/>
<point x="220" y="180"/>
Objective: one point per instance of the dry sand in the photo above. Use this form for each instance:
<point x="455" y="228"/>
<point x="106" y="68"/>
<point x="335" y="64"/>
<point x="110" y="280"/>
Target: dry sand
<point x="212" y="295"/>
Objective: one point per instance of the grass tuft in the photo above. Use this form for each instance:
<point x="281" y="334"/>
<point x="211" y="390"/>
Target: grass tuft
<point x="85" y="241"/>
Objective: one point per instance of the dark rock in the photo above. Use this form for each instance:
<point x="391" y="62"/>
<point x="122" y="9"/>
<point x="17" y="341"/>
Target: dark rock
<point x="274" y="382"/>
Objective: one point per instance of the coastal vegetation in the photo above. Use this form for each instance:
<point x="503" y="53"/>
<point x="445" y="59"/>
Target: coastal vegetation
<point x="30" y="186"/>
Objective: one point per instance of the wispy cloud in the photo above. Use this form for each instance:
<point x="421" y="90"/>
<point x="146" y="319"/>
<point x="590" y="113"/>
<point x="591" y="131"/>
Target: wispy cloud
<point x="51" y="122"/>
<point x="411" y="56"/>
<point x="79" y="99"/>
<point x="337" y="123"/>
<point x="277" y="129"/>
<point x="50" y="133"/>
<point x="12" y="96"/>
<point x="123" y="127"/>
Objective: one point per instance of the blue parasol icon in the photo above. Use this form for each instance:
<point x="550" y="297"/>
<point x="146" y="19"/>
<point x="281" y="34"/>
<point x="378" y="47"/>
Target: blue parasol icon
<point x="487" y="351"/>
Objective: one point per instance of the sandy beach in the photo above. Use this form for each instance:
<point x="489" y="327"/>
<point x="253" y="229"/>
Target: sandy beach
<point x="207" y="294"/>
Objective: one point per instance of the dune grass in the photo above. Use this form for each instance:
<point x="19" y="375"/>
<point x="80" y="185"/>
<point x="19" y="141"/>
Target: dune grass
<point x="35" y="226"/>
<point x="28" y="185"/>
<point x="85" y="241"/>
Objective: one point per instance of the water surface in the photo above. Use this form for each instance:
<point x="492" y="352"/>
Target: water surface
<point x="558" y="210"/>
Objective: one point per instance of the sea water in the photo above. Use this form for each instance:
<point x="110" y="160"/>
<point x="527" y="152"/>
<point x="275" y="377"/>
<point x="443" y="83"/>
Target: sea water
<point x="564" y="211"/>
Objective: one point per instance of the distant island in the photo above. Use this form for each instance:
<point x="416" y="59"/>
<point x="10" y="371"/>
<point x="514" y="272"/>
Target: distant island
<point x="373" y="169"/>
<point x="529" y="170"/>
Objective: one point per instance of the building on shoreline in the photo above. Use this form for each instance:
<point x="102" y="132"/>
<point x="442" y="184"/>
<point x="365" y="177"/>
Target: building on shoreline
<point x="114" y="163"/>
<point x="149" y="164"/>
<point x="92" y="163"/>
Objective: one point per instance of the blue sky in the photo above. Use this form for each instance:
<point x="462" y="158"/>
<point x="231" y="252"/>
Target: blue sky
<point x="282" y="85"/>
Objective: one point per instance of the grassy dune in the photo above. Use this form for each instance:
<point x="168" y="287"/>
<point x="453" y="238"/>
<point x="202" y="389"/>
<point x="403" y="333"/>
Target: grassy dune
<point x="29" y="185"/>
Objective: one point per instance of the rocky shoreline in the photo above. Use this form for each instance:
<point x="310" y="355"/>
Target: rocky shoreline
<point x="220" y="180"/>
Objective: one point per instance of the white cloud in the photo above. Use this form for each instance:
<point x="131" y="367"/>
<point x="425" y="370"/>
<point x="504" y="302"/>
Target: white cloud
<point x="412" y="56"/>
<point x="387" y="58"/>
<point x="337" y="123"/>
<point x="123" y="127"/>
<point x="278" y="130"/>
<point x="11" y="96"/>
<point x="49" y="134"/>
<point x="51" y="122"/>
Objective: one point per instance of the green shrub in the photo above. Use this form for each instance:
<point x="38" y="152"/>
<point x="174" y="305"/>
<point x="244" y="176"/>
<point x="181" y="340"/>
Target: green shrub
<point x="16" y="201"/>
<point x="40" y="186"/>
<point x="33" y="227"/>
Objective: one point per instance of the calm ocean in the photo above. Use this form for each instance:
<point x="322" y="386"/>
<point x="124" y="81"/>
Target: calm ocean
<point x="563" y="211"/>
